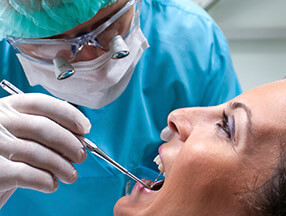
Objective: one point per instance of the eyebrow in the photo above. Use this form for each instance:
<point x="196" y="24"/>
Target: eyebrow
<point x="239" y="105"/>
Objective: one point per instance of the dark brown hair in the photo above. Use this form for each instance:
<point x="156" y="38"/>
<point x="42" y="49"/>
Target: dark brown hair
<point x="270" y="198"/>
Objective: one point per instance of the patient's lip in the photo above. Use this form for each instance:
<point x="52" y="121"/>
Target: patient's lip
<point x="139" y="187"/>
<point x="166" y="134"/>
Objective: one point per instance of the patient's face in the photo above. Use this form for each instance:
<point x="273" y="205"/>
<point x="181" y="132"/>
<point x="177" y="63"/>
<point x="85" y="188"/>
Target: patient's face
<point x="215" y="155"/>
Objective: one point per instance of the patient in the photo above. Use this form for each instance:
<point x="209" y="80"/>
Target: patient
<point x="224" y="160"/>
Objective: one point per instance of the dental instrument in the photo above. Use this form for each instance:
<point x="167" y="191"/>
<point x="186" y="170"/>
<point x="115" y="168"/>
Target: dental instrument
<point x="94" y="149"/>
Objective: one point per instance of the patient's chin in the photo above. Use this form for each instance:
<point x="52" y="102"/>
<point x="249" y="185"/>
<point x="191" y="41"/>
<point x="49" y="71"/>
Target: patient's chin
<point x="131" y="205"/>
<point x="123" y="207"/>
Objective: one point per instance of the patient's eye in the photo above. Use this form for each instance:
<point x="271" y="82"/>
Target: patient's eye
<point x="227" y="126"/>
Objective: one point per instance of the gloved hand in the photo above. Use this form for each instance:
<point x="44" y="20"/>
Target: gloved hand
<point x="37" y="145"/>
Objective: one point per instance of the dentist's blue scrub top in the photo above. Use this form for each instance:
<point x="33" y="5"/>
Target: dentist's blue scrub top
<point x="188" y="64"/>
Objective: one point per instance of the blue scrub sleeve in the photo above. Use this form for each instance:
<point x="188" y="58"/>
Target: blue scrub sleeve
<point x="223" y="83"/>
<point x="11" y="70"/>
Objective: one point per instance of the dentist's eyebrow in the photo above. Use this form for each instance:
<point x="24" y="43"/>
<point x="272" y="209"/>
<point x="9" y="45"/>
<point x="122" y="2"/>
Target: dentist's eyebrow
<point x="239" y="105"/>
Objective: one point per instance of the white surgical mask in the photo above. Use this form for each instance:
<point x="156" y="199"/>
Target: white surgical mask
<point x="95" y="83"/>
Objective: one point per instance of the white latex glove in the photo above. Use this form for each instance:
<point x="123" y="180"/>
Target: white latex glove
<point x="37" y="145"/>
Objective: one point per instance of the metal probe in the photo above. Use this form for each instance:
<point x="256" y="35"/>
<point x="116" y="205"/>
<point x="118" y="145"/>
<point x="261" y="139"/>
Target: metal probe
<point x="11" y="89"/>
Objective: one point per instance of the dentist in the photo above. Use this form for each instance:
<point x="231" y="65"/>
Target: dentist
<point x="93" y="54"/>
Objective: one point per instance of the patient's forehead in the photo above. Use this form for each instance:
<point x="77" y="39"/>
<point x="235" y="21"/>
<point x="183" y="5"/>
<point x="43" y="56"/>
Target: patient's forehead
<point x="269" y="96"/>
<point x="268" y="106"/>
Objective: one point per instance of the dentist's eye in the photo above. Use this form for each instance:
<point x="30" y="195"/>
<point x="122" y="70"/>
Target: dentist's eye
<point x="227" y="126"/>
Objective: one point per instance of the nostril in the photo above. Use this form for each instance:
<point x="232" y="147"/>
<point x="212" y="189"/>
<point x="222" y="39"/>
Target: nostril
<point x="182" y="127"/>
<point x="181" y="123"/>
<point x="173" y="127"/>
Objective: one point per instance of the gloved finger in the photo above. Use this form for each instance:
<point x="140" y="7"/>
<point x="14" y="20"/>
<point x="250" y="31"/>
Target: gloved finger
<point x="40" y="157"/>
<point x="18" y="174"/>
<point x="57" y="110"/>
<point x="46" y="132"/>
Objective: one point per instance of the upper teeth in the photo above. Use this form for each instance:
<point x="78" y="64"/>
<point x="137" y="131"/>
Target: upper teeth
<point x="158" y="161"/>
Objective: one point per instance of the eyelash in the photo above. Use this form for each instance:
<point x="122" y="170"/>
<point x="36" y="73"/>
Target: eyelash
<point x="225" y="125"/>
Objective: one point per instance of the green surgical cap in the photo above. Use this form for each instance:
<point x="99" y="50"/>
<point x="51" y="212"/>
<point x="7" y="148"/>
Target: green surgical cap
<point x="45" y="18"/>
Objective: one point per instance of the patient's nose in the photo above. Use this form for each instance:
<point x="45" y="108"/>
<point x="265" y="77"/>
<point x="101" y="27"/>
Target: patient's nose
<point x="180" y="122"/>
<point x="185" y="121"/>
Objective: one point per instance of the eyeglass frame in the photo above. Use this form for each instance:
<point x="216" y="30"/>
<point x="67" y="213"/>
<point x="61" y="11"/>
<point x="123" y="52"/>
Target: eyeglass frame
<point x="82" y="40"/>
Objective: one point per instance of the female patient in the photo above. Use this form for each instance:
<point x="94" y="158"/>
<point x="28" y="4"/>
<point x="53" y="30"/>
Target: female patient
<point x="224" y="160"/>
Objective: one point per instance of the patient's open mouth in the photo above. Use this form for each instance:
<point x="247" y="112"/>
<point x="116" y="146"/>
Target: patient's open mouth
<point x="157" y="185"/>
<point x="154" y="185"/>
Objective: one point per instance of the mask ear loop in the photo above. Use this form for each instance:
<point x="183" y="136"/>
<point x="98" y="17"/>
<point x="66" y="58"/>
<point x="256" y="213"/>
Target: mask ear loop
<point x="63" y="69"/>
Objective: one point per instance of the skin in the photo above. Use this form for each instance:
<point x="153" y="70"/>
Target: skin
<point x="208" y="173"/>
